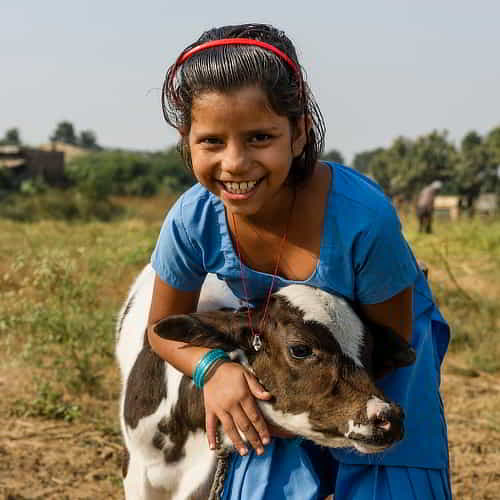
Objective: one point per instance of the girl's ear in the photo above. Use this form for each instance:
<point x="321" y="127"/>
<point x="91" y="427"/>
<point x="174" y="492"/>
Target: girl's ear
<point x="300" y="134"/>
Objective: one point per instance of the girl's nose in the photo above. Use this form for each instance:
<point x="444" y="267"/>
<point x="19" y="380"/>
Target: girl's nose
<point x="235" y="159"/>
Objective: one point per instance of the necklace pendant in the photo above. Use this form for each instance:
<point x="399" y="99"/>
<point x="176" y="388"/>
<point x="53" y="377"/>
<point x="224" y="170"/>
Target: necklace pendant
<point x="257" y="342"/>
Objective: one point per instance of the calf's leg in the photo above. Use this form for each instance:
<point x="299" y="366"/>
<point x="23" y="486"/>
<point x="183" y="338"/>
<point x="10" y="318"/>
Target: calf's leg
<point x="136" y="484"/>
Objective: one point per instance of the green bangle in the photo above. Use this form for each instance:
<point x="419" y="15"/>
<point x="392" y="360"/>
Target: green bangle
<point x="204" y="365"/>
<point x="213" y="368"/>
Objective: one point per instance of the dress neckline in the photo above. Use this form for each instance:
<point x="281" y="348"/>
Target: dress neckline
<point x="232" y="256"/>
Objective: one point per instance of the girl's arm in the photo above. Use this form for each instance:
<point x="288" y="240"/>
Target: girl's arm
<point x="233" y="404"/>
<point x="396" y="313"/>
<point x="167" y="301"/>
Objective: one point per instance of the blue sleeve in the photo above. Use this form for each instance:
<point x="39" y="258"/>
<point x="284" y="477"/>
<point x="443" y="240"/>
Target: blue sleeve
<point x="383" y="262"/>
<point x="176" y="259"/>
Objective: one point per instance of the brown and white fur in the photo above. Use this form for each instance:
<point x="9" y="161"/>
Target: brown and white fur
<point x="318" y="359"/>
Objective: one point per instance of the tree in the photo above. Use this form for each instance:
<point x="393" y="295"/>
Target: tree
<point x="492" y="142"/>
<point x="407" y="165"/>
<point x="470" y="141"/>
<point x="476" y="170"/>
<point x="432" y="158"/>
<point x="88" y="140"/>
<point x="362" y="161"/>
<point x="12" y="136"/>
<point x="333" y="155"/>
<point x="398" y="160"/>
<point x="389" y="167"/>
<point x="64" y="133"/>
<point x="380" y="170"/>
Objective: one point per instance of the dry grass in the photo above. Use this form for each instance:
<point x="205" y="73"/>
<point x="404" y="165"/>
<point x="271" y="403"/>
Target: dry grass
<point x="472" y="405"/>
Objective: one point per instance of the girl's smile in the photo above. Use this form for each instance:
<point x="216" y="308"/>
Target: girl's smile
<point x="242" y="151"/>
<point x="243" y="188"/>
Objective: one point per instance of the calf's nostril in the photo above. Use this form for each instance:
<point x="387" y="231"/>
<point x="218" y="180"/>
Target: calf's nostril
<point x="384" y="424"/>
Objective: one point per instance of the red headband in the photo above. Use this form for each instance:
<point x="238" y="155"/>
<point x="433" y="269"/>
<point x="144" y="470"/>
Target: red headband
<point x="239" y="41"/>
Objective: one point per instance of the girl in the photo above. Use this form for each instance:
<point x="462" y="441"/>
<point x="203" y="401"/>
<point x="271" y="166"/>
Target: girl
<point x="265" y="213"/>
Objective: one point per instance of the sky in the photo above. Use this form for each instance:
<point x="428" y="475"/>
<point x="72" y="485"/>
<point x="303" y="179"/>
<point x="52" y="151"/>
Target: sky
<point x="378" y="69"/>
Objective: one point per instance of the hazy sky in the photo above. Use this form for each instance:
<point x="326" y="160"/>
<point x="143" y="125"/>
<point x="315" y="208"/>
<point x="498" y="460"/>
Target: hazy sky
<point x="379" y="69"/>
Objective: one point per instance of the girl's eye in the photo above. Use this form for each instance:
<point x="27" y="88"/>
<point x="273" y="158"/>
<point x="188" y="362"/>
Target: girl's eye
<point x="260" y="138"/>
<point x="300" y="351"/>
<point x="211" y="141"/>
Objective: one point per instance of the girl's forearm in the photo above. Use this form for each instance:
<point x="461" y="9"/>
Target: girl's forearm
<point x="180" y="355"/>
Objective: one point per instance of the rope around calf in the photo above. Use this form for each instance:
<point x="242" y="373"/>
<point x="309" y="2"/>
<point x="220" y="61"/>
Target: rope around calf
<point x="220" y="475"/>
<point x="220" y="472"/>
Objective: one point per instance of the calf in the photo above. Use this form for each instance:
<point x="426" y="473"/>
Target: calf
<point x="317" y="360"/>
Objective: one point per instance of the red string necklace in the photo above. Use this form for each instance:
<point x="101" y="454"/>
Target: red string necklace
<point x="256" y="340"/>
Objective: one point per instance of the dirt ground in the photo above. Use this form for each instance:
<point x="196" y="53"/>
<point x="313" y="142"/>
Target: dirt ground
<point x="48" y="459"/>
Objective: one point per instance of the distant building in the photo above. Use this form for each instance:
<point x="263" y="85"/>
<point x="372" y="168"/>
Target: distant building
<point x="25" y="163"/>
<point x="70" y="150"/>
<point x="486" y="204"/>
<point x="447" y="206"/>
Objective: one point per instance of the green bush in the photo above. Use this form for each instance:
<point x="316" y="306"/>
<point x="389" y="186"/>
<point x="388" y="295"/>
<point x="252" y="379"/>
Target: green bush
<point x="101" y="174"/>
<point x="7" y="181"/>
<point x="69" y="205"/>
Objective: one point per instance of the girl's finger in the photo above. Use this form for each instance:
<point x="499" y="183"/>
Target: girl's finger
<point x="247" y="429"/>
<point x="255" y="388"/>
<point x="232" y="433"/>
<point x="211" y="426"/>
<point x="257" y="420"/>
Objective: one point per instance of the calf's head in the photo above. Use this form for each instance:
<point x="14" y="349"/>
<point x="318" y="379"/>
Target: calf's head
<point x="318" y="360"/>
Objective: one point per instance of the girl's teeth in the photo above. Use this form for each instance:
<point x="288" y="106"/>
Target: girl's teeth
<point x="239" y="187"/>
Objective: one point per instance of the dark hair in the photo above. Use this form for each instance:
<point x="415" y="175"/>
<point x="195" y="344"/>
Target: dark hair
<point x="229" y="67"/>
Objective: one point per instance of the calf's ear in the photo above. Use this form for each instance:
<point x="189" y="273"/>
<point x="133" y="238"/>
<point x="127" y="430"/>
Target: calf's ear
<point x="390" y="351"/>
<point x="226" y="330"/>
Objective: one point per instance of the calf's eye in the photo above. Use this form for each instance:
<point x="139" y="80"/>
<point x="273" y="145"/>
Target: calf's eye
<point x="300" y="351"/>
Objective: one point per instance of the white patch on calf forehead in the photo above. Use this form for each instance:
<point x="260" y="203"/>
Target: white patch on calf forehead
<point x="375" y="406"/>
<point x="360" y="429"/>
<point x="331" y="311"/>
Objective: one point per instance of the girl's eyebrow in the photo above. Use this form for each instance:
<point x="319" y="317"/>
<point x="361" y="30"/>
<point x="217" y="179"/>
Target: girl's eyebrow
<point x="264" y="128"/>
<point x="253" y="130"/>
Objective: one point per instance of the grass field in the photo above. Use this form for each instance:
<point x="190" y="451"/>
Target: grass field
<point x="61" y="285"/>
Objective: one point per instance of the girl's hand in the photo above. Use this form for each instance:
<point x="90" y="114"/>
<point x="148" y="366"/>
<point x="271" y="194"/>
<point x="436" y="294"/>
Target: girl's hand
<point x="229" y="397"/>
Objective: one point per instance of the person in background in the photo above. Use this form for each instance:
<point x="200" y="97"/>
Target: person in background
<point x="425" y="206"/>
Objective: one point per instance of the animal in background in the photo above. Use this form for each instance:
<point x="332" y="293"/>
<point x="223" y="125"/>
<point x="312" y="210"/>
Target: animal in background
<point x="425" y="206"/>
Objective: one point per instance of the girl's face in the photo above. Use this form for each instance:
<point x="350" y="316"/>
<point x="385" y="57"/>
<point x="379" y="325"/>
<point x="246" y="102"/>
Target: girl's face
<point x="242" y="151"/>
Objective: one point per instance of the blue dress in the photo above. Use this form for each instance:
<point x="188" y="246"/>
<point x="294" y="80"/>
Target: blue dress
<point x="365" y="258"/>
